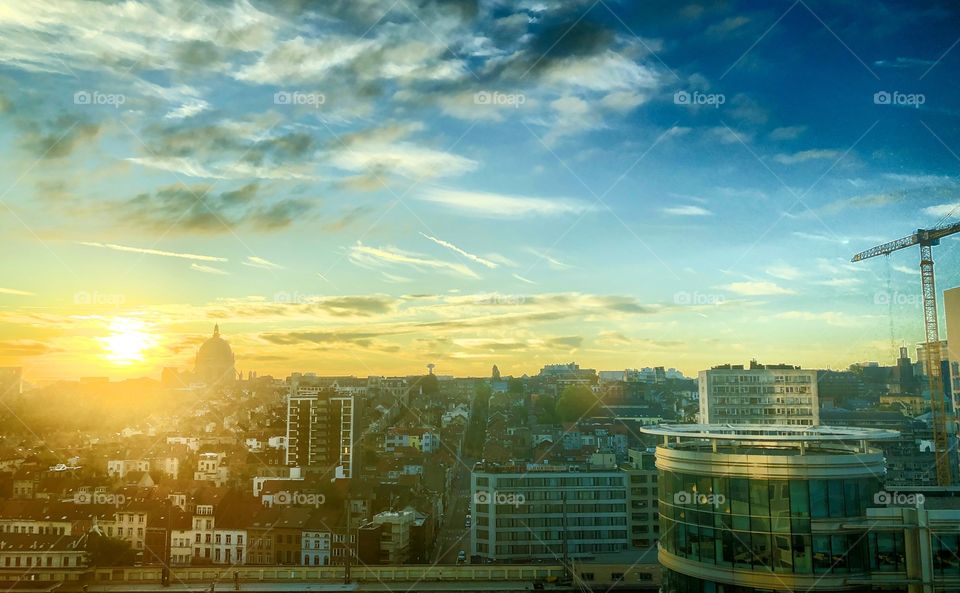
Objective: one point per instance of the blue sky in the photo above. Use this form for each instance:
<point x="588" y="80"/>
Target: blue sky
<point x="365" y="187"/>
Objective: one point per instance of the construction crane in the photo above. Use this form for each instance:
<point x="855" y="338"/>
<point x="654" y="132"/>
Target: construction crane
<point x="926" y="239"/>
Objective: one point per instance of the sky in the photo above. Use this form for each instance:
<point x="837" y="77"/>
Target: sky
<point x="360" y="187"/>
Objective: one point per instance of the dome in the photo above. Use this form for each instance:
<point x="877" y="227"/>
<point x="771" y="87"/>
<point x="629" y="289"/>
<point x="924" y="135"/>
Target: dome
<point x="215" y="360"/>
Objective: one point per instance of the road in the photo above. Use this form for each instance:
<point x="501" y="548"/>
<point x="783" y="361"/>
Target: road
<point x="453" y="536"/>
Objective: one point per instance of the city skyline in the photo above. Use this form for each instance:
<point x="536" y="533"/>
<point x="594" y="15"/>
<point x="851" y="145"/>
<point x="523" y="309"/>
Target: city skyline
<point x="365" y="189"/>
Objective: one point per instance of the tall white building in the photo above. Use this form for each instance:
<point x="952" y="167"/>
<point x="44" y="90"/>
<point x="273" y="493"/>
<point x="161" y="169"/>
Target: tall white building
<point x="320" y="429"/>
<point x="761" y="394"/>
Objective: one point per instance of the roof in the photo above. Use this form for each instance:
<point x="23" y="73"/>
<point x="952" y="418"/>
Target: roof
<point x="770" y="432"/>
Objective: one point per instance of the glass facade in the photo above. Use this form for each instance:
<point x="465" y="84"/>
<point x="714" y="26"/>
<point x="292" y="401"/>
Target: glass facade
<point x="679" y="583"/>
<point x="765" y="524"/>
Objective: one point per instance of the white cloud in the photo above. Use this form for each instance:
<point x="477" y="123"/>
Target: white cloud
<point x="784" y="271"/>
<point x="787" y="132"/>
<point x="942" y="210"/>
<point x="502" y="205"/>
<point x="553" y="262"/>
<point x="225" y="170"/>
<point x="475" y="258"/>
<point x="686" y="211"/>
<point x="905" y="270"/>
<point x="366" y="256"/>
<point x="208" y="269"/>
<point x="830" y="317"/>
<point x="147" y="251"/>
<point x="403" y="158"/>
<point x="840" y="282"/>
<point x="756" y="288"/>
<point x="806" y="155"/>
<point x="259" y="262"/>
<point x="522" y="279"/>
<point x="15" y="292"/>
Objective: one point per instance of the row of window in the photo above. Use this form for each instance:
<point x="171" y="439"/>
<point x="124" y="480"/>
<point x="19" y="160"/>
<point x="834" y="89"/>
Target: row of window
<point x="780" y="506"/>
<point x="546" y="509"/>
<point x="15" y="561"/>
<point x="525" y="535"/>
<point x="41" y="529"/>
<point x="798" y="554"/>
<point x="532" y="481"/>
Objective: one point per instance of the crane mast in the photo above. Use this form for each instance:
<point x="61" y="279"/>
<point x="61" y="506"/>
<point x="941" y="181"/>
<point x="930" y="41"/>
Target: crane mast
<point x="940" y="414"/>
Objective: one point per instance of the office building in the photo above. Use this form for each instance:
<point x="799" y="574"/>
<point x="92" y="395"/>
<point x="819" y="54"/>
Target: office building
<point x="763" y="508"/>
<point x="11" y="381"/>
<point x="761" y="394"/>
<point x="320" y="429"/>
<point x="642" y="499"/>
<point x="541" y="511"/>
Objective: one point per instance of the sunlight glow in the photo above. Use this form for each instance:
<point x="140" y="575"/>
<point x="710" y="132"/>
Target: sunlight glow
<point x="127" y="341"/>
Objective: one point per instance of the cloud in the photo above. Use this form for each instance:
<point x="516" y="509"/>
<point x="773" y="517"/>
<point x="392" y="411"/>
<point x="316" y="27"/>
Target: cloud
<point x="784" y="271"/>
<point x="821" y="237"/>
<point x="474" y="258"/>
<point x="553" y="262"/>
<point x="58" y="137"/>
<point x="806" y="155"/>
<point x="208" y="269"/>
<point x="840" y="282"/>
<point x="259" y="262"/>
<point x="686" y="211"/>
<point x="905" y="270"/>
<point x="787" y="132"/>
<point x="501" y="205"/>
<point x="829" y="317"/>
<point x="402" y="158"/>
<point x="186" y="208"/>
<point x="757" y="288"/>
<point x="522" y="279"/>
<point x="366" y="256"/>
<point x="943" y="210"/>
<point x="153" y="251"/>
<point x="15" y="292"/>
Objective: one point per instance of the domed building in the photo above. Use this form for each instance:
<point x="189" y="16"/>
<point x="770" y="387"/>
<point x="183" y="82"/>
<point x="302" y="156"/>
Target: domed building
<point x="214" y="364"/>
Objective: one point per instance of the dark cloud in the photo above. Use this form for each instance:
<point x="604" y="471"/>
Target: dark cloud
<point x="349" y="306"/>
<point x="566" y="342"/>
<point x="195" y="208"/>
<point x="198" y="54"/>
<point x="58" y="137"/>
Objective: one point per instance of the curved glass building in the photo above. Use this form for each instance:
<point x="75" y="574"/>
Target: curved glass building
<point x="772" y="508"/>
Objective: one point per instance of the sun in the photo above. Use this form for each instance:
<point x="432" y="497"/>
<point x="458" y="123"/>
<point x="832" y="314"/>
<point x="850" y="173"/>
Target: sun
<point x="127" y="341"/>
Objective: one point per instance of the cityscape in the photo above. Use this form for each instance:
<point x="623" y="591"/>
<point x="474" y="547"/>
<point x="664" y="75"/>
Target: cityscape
<point x="479" y="295"/>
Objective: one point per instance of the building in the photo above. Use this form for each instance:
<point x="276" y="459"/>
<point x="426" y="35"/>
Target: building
<point x="386" y="539"/>
<point x="540" y="511"/>
<point x="30" y="552"/>
<point x="750" y="508"/>
<point x="642" y="499"/>
<point x="761" y="394"/>
<point x="214" y="364"/>
<point x="211" y="468"/>
<point x="11" y="381"/>
<point x="320" y="428"/>
<point x="119" y="468"/>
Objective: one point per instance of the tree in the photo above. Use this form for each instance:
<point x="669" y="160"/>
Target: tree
<point x="109" y="551"/>
<point x="574" y="403"/>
